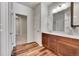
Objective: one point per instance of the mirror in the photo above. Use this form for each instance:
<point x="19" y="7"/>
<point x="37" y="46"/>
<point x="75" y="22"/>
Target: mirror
<point x="58" y="13"/>
<point x="75" y="14"/>
<point x="58" y="21"/>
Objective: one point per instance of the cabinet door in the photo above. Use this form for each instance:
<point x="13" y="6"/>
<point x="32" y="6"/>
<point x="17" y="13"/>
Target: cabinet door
<point x="45" y="40"/>
<point x="66" y="49"/>
<point x="52" y="43"/>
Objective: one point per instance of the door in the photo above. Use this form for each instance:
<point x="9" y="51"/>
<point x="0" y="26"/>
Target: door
<point x="21" y="29"/>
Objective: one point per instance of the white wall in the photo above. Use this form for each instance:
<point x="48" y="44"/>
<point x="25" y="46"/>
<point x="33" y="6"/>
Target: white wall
<point x="24" y="10"/>
<point x="68" y="28"/>
<point x="44" y="17"/>
<point x="0" y="28"/>
<point x="40" y="21"/>
<point x="4" y="33"/>
<point x="37" y="24"/>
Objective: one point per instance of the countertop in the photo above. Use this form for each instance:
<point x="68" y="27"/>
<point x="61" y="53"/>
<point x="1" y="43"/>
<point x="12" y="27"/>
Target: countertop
<point x="76" y="36"/>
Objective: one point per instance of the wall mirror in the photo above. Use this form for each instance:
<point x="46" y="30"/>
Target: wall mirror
<point x="58" y="13"/>
<point x="75" y="14"/>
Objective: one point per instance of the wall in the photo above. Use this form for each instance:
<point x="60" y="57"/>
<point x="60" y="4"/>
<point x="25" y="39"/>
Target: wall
<point x="68" y="28"/>
<point x="37" y="24"/>
<point x="24" y="10"/>
<point x="0" y="28"/>
<point x="4" y="33"/>
<point x="40" y="21"/>
<point x="44" y="17"/>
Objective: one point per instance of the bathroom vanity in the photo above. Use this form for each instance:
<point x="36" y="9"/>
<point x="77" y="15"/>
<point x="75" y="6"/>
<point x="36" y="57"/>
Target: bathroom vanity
<point x="62" y="35"/>
<point x="61" y="44"/>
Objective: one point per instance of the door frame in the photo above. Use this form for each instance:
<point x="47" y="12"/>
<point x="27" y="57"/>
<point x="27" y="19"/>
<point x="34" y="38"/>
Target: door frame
<point x="15" y="27"/>
<point x="27" y="11"/>
<point x="5" y="49"/>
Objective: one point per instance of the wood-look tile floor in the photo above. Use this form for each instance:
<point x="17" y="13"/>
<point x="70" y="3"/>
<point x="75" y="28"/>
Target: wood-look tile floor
<point x="20" y="39"/>
<point x="31" y="49"/>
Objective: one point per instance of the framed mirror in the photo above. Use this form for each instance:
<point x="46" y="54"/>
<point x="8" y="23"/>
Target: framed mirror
<point x="74" y="14"/>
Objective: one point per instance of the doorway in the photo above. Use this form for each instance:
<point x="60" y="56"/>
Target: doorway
<point x="21" y="29"/>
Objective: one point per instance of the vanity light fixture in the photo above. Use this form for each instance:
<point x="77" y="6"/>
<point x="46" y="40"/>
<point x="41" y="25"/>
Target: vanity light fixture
<point x="60" y="8"/>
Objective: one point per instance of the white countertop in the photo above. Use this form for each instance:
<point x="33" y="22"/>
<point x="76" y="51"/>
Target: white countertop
<point x="76" y="36"/>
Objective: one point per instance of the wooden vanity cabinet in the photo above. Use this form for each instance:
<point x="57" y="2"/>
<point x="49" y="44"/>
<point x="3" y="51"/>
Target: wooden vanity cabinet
<point x="68" y="46"/>
<point x="62" y="46"/>
<point x="45" y="40"/>
<point x="65" y="49"/>
<point x="52" y="42"/>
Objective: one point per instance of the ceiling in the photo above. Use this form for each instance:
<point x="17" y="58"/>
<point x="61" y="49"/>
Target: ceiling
<point x="33" y="4"/>
<point x="29" y="4"/>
